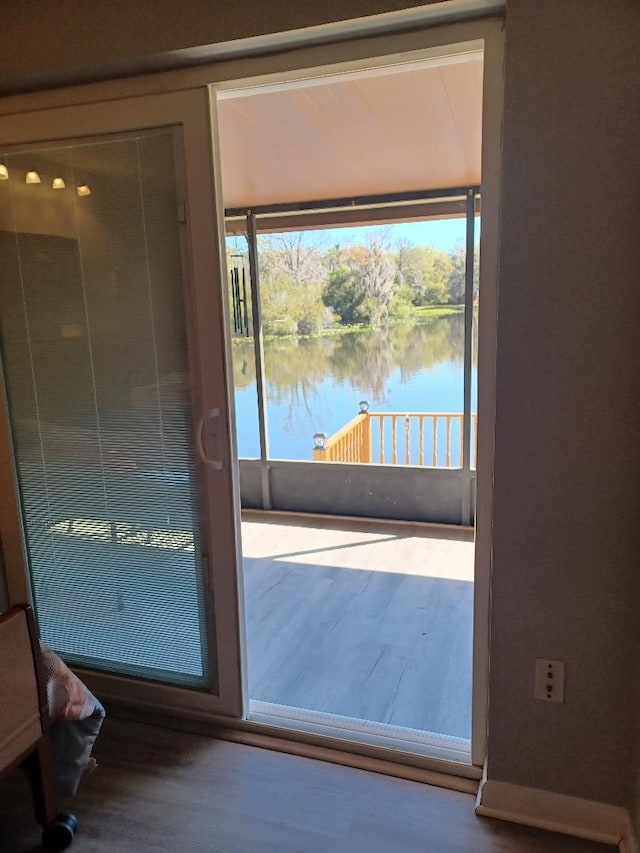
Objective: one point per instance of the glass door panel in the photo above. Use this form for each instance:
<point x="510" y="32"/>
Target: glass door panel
<point x="115" y="378"/>
<point x="94" y="344"/>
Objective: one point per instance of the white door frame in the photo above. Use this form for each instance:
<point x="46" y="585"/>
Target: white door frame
<point x="488" y="34"/>
<point x="350" y="48"/>
<point x="205" y="312"/>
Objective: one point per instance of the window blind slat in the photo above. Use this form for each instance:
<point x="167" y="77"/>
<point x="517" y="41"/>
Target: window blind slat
<point x="94" y="347"/>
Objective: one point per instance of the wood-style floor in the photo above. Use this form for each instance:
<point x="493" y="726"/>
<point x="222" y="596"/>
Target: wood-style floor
<point x="159" y="790"/>
<point x="371" y="621"/>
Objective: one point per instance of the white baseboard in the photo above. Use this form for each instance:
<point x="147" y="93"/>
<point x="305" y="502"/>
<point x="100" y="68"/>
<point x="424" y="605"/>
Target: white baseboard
<point x="557" y="812"/>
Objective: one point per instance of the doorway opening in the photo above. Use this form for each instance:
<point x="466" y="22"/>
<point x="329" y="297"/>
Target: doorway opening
<point x="352" y="206"/>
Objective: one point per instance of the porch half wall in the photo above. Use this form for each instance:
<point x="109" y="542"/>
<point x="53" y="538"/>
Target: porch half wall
<point x="396" y="492"/>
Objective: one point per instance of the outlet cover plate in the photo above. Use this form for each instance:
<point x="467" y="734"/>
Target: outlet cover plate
<point x="549" y="681"/>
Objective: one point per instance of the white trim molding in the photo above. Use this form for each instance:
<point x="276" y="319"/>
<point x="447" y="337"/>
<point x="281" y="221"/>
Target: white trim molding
<point x="602" y="822"/>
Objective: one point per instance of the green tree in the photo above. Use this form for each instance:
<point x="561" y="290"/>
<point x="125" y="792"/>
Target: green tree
<point x="344" y="294"/>
<point x="378" y="280"/>
<point x="425" y="270"/>
<point x="293" y="273"/>
<point x="361" y="286"/>
<point x="456" y="280"/>
<point x="292" y="309"/>
<point x="277" y="297"/>
<point x="297" y="254"/>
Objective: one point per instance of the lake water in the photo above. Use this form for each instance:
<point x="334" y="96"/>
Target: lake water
<point x="315" y="384"/>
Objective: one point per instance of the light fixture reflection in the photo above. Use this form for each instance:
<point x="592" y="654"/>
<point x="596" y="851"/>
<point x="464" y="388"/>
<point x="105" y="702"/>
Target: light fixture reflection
<point x="4" y="172"/>
<point x="84" y="189"/>
<point x="32" y="178"/>
<point x="58" y="184"/>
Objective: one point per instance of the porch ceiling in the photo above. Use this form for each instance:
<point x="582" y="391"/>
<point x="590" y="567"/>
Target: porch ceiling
<point x="414" y="127"/>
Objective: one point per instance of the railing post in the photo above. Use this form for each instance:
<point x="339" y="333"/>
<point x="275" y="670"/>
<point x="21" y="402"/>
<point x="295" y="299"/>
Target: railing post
<point x="320" y="450"/>
<point x="365" y="446"/>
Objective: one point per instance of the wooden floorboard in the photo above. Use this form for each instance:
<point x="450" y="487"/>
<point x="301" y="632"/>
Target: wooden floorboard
<point x="367" y="621"/>
<point x="159" y="790"/>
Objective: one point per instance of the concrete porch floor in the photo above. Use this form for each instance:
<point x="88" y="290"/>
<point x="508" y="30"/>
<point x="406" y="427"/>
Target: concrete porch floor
<point x="363" y="619"/>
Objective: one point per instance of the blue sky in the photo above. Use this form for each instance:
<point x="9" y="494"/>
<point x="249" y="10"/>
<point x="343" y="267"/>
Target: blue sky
<point x="441" y="233"/>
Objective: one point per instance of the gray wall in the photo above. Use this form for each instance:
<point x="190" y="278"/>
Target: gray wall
<point x="372" y="491"/>
<point x="635" y="805"/>
<point x="566" y="521"/>
<point x="4" y="603"/>
<point x="119" y="36"/>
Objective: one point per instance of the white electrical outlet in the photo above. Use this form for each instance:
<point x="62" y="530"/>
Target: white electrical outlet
<point x="549" y="683"/>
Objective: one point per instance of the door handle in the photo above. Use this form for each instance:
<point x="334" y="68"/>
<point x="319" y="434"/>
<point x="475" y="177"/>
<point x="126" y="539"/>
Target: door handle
<point x="207" y="418"/>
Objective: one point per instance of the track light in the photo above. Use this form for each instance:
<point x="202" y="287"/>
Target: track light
<point x="58" y="184"/>
<point x="4" y="172"/>
<point x="32" y="178"/>
<point x="84" y="189"/>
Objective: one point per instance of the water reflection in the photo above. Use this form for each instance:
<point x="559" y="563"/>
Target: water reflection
<point x="314" y="384"/>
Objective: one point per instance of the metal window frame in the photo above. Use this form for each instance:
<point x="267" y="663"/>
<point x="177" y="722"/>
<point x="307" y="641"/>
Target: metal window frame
<point x="469" y="196"/>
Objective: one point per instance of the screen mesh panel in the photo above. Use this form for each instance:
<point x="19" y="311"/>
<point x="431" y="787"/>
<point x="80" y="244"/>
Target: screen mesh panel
<point x="94" y="348"/>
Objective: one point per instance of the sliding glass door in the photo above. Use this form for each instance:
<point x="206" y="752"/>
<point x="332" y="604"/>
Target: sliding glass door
<point x="113" y="355"/>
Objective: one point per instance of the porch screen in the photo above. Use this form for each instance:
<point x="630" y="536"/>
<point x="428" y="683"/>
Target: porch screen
<point x="94" y="350"/>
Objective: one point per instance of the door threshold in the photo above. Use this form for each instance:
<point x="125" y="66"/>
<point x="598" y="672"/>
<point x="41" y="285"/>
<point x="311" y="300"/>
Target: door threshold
<point x="403" y="760"/>
<point x="399" y="739"/>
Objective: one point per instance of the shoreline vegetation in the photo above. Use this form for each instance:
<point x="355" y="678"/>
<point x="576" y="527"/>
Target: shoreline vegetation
<point x="417" y="315"/>
<point x="310" y="289"/>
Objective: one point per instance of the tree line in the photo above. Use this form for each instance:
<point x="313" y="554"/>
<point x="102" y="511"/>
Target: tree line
<point x="306" y="287"/>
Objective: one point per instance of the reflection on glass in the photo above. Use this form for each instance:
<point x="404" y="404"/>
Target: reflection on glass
<point x="95" y="355"/>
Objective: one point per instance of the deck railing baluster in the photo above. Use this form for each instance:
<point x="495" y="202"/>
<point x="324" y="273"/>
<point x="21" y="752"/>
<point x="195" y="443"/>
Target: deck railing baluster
<point x="435" y="441"/>
<point x="394" y="438"/>
<point x="353" y="442"/>
<point x="407" y="448"/>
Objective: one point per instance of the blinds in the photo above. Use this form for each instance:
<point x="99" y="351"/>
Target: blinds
<point x="94" y="349"/>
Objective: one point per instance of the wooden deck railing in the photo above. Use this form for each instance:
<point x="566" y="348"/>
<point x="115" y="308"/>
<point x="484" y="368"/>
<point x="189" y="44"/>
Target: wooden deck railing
<point x="352" y="443"/>
<point x="398" y="438"/>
